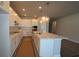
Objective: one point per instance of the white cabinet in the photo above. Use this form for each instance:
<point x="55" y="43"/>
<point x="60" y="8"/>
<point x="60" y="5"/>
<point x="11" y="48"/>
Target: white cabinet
<point x="15" y="40"/>
<point x="47" y="45"/>
<point x="50" y="47"/>
<point x="27" y="31"/>
<point x="18" y="39"/>
<point x="13" y="46"/>
<point x="36" y="41"/>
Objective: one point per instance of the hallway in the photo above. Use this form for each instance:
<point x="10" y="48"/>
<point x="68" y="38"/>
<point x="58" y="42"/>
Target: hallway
<point x="25" y="49"/>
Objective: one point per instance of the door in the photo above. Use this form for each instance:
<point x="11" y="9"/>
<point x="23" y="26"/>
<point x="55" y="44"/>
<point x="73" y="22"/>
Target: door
<point x="54" y="26"/>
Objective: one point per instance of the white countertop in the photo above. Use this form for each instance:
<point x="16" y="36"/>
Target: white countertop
<point x="46" y="35"/>
<point x="14" y="34"/>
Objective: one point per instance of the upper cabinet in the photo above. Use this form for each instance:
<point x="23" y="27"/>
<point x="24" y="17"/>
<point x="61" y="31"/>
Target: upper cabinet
<point x="4" y="6"/>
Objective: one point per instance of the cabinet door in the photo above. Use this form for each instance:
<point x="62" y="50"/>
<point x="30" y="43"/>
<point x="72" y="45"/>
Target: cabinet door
<point x="46" y="48"/>
<point x="57" y="47"/>
<point x="36" y="42"/>
<point x="15" y="42"/>
<point x="18" y="39"/>
<point x="13" y="46"/>
<point x="27" y="31"/>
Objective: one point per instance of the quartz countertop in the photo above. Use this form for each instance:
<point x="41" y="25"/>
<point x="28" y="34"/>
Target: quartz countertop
<point x="47" y="35"/>
<point x="14" y="34"/>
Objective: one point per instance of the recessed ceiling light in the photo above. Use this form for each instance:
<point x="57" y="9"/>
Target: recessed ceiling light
<point x="23" y="9"/>
<point x="40" y="7"/>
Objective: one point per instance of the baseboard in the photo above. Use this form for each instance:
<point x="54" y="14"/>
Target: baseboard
<point x="73" y="41"/>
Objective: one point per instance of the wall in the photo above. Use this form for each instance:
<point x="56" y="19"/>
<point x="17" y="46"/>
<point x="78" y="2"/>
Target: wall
<point x="26" y="22"/>
<point x="69" y="27"/>
<point x="13" y="17"/>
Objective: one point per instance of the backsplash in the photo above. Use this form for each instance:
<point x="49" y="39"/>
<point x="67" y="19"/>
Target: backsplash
<point x="14" y="29"/>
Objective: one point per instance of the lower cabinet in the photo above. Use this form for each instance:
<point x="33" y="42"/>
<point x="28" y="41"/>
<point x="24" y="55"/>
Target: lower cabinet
<point x="36" y="45"/>
<point x="27" y="31"/>
<point x="15" y="40"/>
<point x="47" y="47"/>
<point x="13" y="46"/>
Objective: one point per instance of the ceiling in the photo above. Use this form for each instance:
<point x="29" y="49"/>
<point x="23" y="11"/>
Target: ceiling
<point x="55" y="9"/>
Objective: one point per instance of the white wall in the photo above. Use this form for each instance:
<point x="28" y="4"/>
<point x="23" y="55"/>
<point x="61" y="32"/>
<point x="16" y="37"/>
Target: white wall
<point x="69" y="27"/>
<point x="13" y="17"/>
<point x="4" y="36"/>
<point x="26" y="22"/>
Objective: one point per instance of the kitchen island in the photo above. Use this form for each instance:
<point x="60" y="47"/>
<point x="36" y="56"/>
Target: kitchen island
<point x="47" y="44"/>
